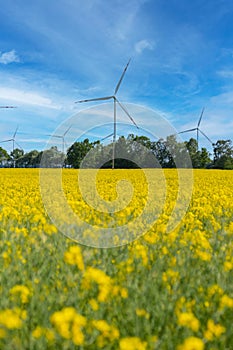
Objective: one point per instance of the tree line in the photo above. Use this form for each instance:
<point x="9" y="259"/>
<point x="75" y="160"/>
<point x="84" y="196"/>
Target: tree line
<point x="131" y="152"/>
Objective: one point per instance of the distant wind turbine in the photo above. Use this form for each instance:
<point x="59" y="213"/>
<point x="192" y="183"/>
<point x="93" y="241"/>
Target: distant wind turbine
<point x="63" y="138"/>
<point x="115" y="100"/>
<point x="8" y="107"/>
<point x="198" y="130"/>
<point x="13" y="142"/>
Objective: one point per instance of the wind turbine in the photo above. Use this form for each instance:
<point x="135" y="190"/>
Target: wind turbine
<point x="115" y="100"/>
<point x="63" y="138"/>
<point x="7" y="107"/>
<point x="13" y="142"/>
<point x="198" y="130"/>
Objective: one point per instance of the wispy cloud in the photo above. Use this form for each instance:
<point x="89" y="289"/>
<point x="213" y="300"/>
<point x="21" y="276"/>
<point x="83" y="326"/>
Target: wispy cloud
<point x="9" y="57"/>
<point x="227" y="74"/>
<point x="27" y="98"/>
<point x="224" y="100"/>
<point x="143" y="45"/>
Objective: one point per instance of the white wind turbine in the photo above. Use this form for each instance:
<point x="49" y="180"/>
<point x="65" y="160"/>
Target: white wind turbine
<point x="62" y="137"/>
<point x="13" y="142"/>
<point x="198" y="130"/>
<point x="115" y="100"/>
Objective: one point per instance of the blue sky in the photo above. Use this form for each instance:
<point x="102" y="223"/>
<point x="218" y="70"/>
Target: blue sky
<point x="53" y="53"/>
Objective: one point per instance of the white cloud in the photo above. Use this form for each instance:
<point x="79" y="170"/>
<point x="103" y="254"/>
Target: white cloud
<point x="9" y="57"/>
<point x="142" y="45"/>
<point x="224" y="100"/>
<point x="27" y="98"/>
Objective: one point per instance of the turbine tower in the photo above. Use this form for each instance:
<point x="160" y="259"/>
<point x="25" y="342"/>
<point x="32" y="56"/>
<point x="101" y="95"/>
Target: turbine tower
<point x="197" y="129"/>
<point x="115" y="100"/>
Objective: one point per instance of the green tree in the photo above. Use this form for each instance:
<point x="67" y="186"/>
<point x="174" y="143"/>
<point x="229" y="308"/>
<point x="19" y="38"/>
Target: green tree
<point x="176" y="153"/>
<point x="204" y="158"/>
<point x="77" y="152"/>
<point x="160" y="152"/>
<point x="16" y="154"/>
<point x="4" y="157"/>
<point x="200" y="159"/>
<point x="51" y="158"/>
<point x="29" y="160"/>
<point x="223" y="154"/>
<point x="192" y="148"/>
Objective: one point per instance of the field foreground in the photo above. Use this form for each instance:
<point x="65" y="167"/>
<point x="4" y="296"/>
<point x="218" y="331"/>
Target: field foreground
<point x="166" y="290"/>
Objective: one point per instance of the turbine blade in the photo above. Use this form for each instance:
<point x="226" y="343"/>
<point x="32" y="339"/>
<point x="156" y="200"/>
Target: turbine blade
<point x="57" y="136"/>
<point x="199" y="122"/>
<point x="18" y="145"/>
<point x="95" y="99"/>
<point x="15" y="132"/>
<point x="121" y="78"/>
<point x="182" y="132"/>
<point x="125" y="110"/>
<point x="6" y="140"/>
<point x="107" y="136"/>
<point x="206" y="136"/>
<point x="67" y="131"/>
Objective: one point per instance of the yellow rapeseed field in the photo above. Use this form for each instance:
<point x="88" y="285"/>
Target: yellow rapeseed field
<point x="164" y="290"/>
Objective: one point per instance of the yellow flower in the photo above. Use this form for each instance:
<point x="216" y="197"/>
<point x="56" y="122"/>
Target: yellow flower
<point x="165" y="251"/>
<point x="107" y="331"/>
<point x="22" y="291"/>
<point x="214" y="289"/>
<point x="94" y="304"/>
<point x="132" y="343"/>
<point x="187" y="319"/>
<point x="140" y="251"/>
<point x="191" y="343"/>
<point x="40" y="331"/>
<point x="102" y="326"/>
<point x="104" y="282"/>
<point x="69" y="324"/>
<point x="10" y="319"/>
<point x="170" y="276"/>
<point x="74" y="257"/>
<point x="228" y="265"/>
<point x="142" y="313"/>
<point x="49" y="334"/>
<point x="205" y="256"/>
<point x="124" y="293"/>
<point x="213" y="330"/>
<point x="226" y="301"/>
<point x="77" y="336"/>
<point x="230" y="229"/>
